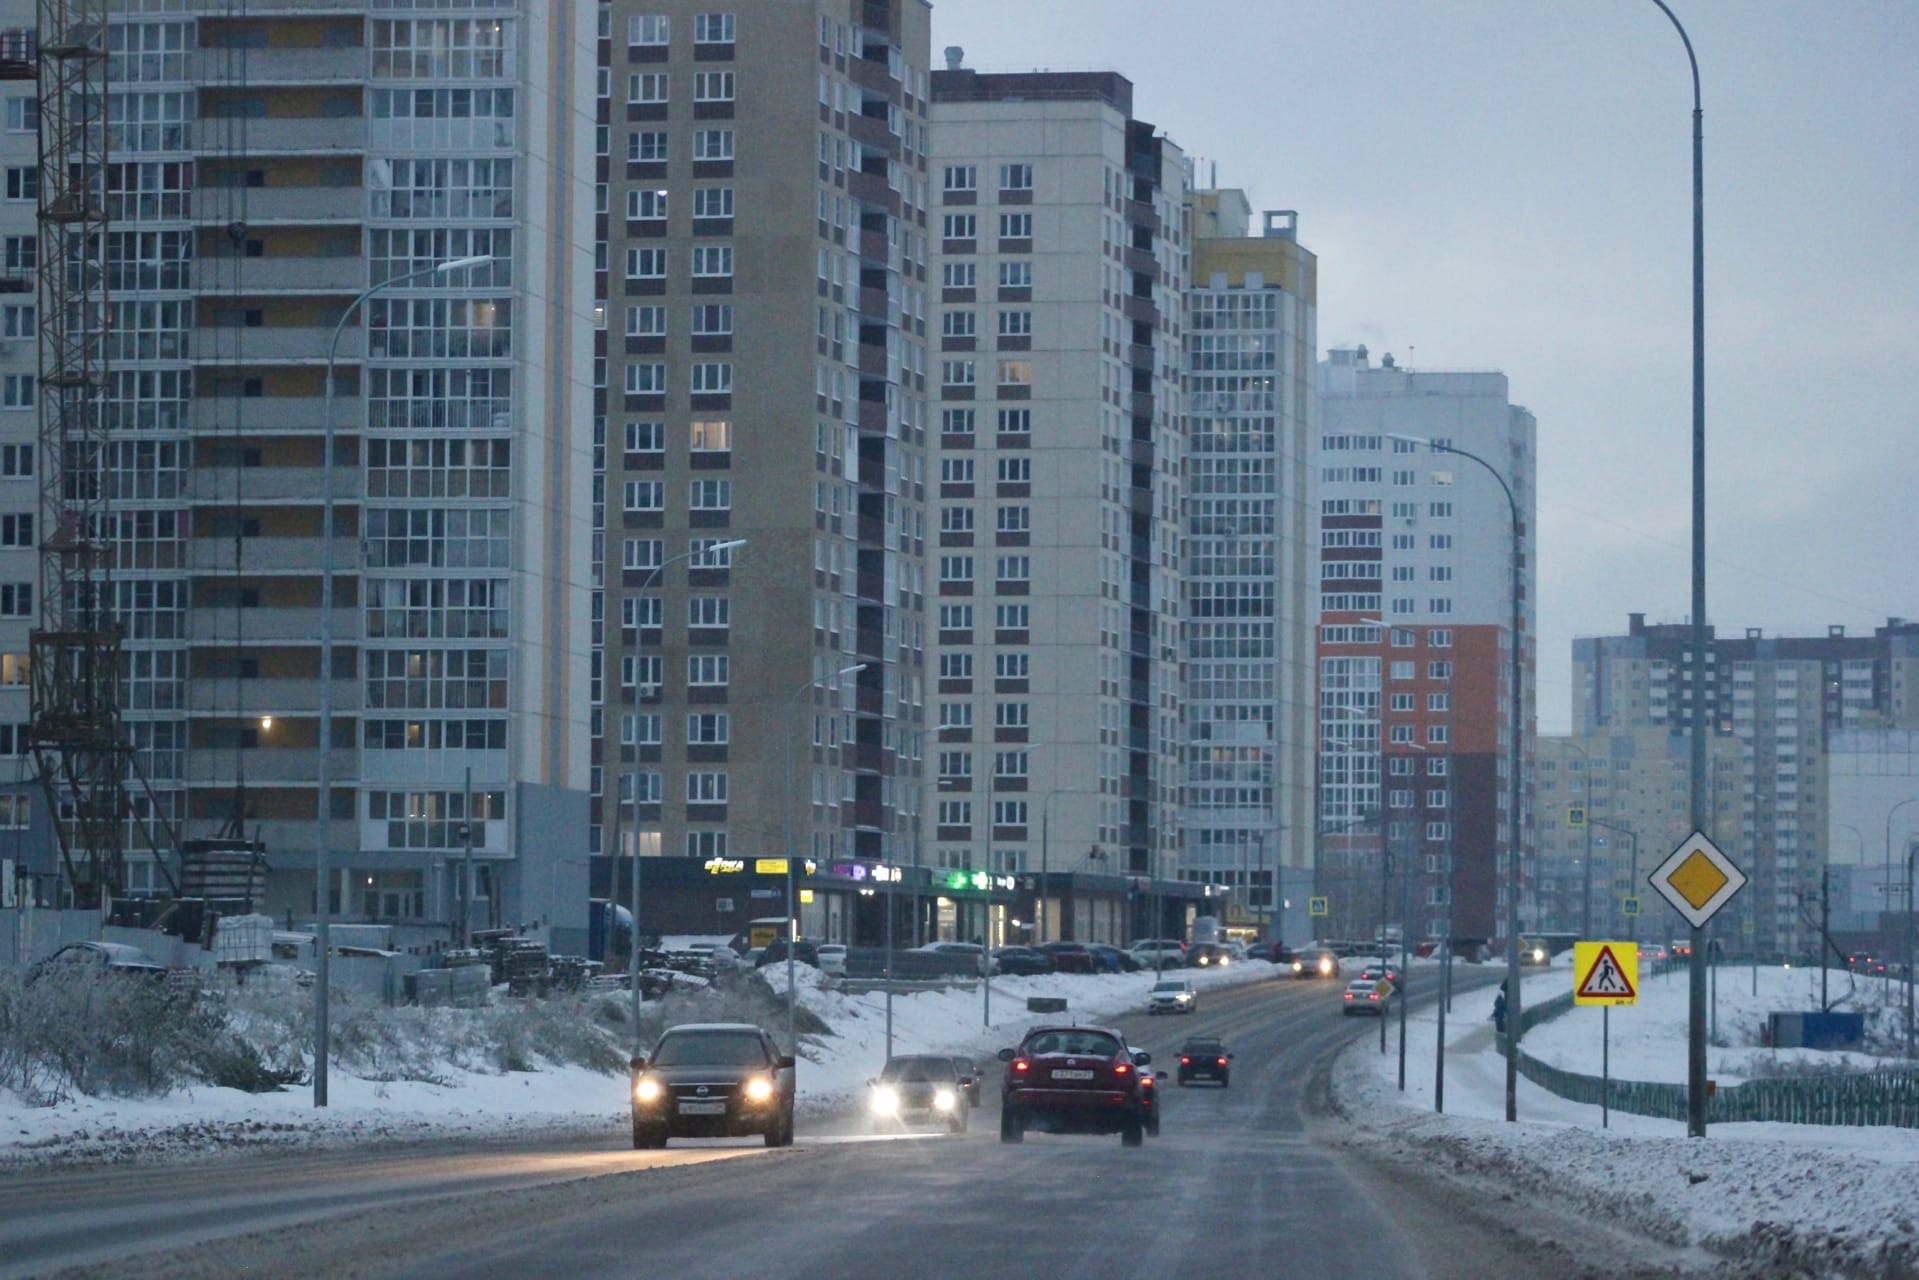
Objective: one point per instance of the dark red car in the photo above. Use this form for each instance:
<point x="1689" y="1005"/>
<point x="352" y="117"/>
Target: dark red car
<point x="1073" y="1080"/>
<point x="1069" y="957"/>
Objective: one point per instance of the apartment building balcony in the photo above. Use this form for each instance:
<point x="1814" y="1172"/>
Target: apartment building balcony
<point x="278" y="344"/>
<point x="212" y="624"/>
<point x="271" y="555"/>
<point x="251" y="698"/>
<point x="262" y="766"/>
<point x="303" y="135"/>
<point x="278" y="65"/>
<point x="279" y="275"/>
<point x="227" y="485"/>
<point x="298" y="204"/>
<point x="283" y="415"/>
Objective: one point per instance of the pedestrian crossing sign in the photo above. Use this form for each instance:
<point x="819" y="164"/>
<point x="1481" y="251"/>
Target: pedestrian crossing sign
<point x="1631" y="907"/>
<point x="1605" y="973"/>
<point x="1316" y="906"/>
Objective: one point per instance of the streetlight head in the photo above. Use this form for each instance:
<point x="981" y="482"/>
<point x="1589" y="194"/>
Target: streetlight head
<point x="727" y="545"/>
<point x="477" y="260"/>
<point x="1394" y="435"/>
<point x="847" y="671"/>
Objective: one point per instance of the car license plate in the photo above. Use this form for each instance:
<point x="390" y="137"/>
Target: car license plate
<point x="703" y="1108"/>
<point x="1072" y="1075"/>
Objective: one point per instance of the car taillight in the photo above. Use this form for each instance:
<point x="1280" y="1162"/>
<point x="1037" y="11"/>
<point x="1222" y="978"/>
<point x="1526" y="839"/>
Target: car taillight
<point x="1119" y="1068"/>
<point x="1222" y="1062"/>
<point x="1349" y="995"/>
<point x="1185" y="1061"/>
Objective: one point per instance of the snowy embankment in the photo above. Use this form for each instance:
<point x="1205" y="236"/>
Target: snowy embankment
<point x="1788" y="1200"/>
<point x="461" y="1103"/>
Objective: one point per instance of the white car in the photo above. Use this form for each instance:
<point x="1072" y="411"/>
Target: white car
<point x="970" y="950"/>
<point x="833" y="959"/>
<point x="1160" y="953"/>
<point x="1172" y="995"/>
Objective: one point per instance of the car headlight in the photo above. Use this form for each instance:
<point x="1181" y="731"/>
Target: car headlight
<point x="944" y="1100"/>
<point x="759" y="1089"/>
<point x="647" y="1090"/>
<point x="1298" y="967"/>
<point x="886" y="1101"/>
<point x="1325" y="966"/>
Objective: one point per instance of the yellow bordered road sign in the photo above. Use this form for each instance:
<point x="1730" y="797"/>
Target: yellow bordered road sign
<point x="1576" y="816"/>
<point x="1631" y="907"/>
<point x="1605" y="973"/>
<point x="1697" y="879"/>
<point x="1316" y="907"/>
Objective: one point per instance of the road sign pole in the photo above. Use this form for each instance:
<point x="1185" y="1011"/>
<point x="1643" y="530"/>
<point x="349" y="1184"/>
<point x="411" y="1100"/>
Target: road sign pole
<point x="1696" y="1036"/>
<point x="1605" y="1067"/>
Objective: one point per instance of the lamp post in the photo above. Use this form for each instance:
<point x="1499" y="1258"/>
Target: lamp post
<point x="792" y="856"/>
<point x="1516" y="678"/>
<point x="639" y="691"/>
<point x="322" y="866"/>
<point x="1887" y="880"/>
<point x="1700" y="802"/>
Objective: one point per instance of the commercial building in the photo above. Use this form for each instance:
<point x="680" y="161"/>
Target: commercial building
<point x="1799" y="708"/>
<point x="1414" y="648"/>
<point x="765" y="384"/>
<point x="268" y="167"/>
<point x="1062" y="253"/>
<point x="1251" y="569"/>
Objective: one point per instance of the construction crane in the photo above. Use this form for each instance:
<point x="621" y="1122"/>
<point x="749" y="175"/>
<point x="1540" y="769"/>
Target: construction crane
<point x="79" y="742"/>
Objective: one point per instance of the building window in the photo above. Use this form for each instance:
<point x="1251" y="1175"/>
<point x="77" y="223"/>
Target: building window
<point x="646" y="264"/>
<point x="957" y="177"/>
<point x="708" y="729"/>
<point x="1441" y="638"/>
<point x="23" y="183"/>
<point x="712" y="319"/>
<point x="955" y="813"/>
<point x="957" y="373"/>
<point x="646" y="322"/>
<point x="710" y="495"/>
<point x="645" y="437"/>
<point x="1011" y="715"/>
<point x="1016" y="275"/>
<point x="1015" y="324"/>
<point x="712" y="260"/>
<point x="712" y="202"/>
<point x="1016" y="226"/>
<point x="16" y="461"/>
<point x="712" y="613"/>
<point x="711" y="436"/>
<point x="706" y="845"/>
<point x="645" y="495"/>
<point x="647" y="379"/>
<point x="17" y="391"/>
<point x="1013" y="617"/>
<point x="1015" y="422"/>
<point x="959" y="275"/>
<point x="713" y="86"/>
<point x="645" y="88"/>
<point x="16" y="600"/>
<point x="959" y="226"/>
<point x="1014" y="520"/>
<point x="1013" y="568"/>
<point x="959" y="324"/>
<point x="646" y="147"/>
<point x="956" y="715"/>
<point x="712" y="377"/>
<point x="713" y="144"/>
<point x="1009" y="813"/>
<point x="648" y="29"/>
<point x="1016" y="177"/>
<point x="956" y="422"/>
<point x="641" y="554"/>
<point x="646" y="205"/>
<point x="707" y="669"/>
<point x="706" y="787"/>
<point x="1016" y="373"/>
<point x="713" y="28"/>
<point x="956" y="568"/>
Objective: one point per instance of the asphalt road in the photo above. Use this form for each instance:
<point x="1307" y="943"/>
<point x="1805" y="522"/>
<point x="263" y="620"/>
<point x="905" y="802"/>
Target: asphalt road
<point x="1245" y="1181"/>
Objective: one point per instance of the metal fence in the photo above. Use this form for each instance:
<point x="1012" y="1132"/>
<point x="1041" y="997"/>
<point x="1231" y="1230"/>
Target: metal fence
<point x="1862" y="1098"/>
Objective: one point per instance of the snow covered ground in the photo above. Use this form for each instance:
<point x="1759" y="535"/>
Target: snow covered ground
<point x="560" y="1100"/>
<point x="1787" y="1200"/>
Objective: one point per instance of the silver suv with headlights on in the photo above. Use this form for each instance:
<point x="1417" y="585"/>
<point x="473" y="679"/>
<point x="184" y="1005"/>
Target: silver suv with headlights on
<point x="713" y="1080"/>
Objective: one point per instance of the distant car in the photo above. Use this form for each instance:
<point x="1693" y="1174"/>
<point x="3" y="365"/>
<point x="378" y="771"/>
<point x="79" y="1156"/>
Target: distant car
<point x="969" y="1078"/>
<point x="966" y="950"/>
<point x="1315" y="962"/>
<point x="1362" y="996"/>
<point x="1148" y="1094"/>
<point x="918" y="1089"/>
<point x="1068" y="957"/>
<point x="833" y="958"/>
<point x="1205" y="1058"/>
<point x="1073" y="1080"/>
<point x="1017" y="961"/>
<point x="100" y="957"/>
<point x="712" y="1080"/>
<point x="1386" y="969"/>
<point x="1111" y="959"/>
<point x="1237" y="950"/>
<point x="1208" y="955"/>
<point x="1534" y="951"/>
<point x="1172" y="995"/>
<point x="1160" y="953"/>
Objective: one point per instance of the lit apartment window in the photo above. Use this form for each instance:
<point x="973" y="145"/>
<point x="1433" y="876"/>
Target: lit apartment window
<point x="648" y="29"/>
<point x="711" y="436"/>
<point x="1016" y="373"/>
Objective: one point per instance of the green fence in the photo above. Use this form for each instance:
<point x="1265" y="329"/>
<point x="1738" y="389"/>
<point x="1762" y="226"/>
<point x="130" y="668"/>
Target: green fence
<point x="1864" y="1098"/>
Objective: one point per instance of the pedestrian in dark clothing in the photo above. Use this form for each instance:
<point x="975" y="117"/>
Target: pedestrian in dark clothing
<point x="1499" y="1010"/>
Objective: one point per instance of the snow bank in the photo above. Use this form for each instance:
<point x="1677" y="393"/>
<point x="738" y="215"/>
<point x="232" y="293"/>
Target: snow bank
<point x="1787" y="1199"/>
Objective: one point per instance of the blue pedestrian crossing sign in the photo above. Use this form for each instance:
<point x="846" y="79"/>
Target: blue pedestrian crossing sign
<point x="1316" y="907"/>
<point x="1631" y="908"/>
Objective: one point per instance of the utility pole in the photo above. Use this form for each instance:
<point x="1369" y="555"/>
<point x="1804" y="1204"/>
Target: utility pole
<point x="466" y="863"/>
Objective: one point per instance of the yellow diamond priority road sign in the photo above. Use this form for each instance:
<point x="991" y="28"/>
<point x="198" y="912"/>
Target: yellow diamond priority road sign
<point x="1697" y="879"/>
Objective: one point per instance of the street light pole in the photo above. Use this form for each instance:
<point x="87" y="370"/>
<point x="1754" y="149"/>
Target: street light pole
<point x="322" y="862"/>
<point x="1886" y="879"/>
<point x="792" y="855"/>
<point x="639" y="700"/>
<point x="1701" y="804"/>
<point x="1516" y="678"/>
<point x="1632" y="841"/>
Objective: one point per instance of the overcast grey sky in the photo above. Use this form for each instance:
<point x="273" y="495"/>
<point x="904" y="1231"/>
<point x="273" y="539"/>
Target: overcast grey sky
<point x="1507" y="185"/>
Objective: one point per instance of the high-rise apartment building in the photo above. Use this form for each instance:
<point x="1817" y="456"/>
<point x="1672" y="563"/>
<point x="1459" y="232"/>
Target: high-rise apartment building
<point x="1414" y="650"/>
<point x="1250" y="566"/>
<point x="765" y="383"/>
<point x="1787" y="701"/>
<point x="1063" y="253"/>
<point x="281" y="183"/>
